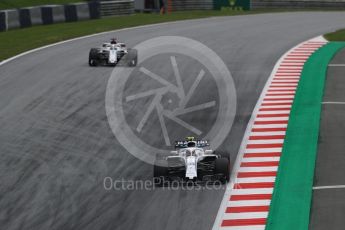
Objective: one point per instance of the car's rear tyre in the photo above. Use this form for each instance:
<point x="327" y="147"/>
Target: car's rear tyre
<point x="160" y="172"/>
<point x="93" y="56"/>
<point x="223" y="168"/>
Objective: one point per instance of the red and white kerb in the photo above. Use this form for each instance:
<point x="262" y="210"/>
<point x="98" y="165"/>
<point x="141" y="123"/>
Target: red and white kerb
<point x="247" y="200"/>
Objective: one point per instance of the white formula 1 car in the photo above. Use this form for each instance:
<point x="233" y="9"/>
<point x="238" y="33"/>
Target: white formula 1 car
<point x="191" y="160"/>
<point x="112" y="53"/>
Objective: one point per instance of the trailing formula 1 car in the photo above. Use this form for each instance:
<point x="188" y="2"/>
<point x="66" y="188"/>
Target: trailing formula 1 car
<point x="113" y="53"/>
<point x="191" y="160"/>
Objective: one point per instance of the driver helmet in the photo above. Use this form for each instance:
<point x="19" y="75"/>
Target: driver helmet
<point x="191" y="144"/>
<point x="113" y="41"/>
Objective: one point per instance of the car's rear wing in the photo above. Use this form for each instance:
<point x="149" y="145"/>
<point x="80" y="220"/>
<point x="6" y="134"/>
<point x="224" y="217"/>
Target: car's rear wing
<point x="199" y="144"/>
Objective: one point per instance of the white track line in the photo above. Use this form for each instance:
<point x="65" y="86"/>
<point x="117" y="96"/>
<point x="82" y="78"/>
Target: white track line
<point x="271" y="141"/>
<point x="252" y="227"/>
<point x="290" y="95"/>
<point x="273" y="112"/>
<point x="333" y="103"/>
<point x="258" y="169"/>
<point x="260" y="159"/>
<point x="264" y="150"/>
<point x="251" y="191"/>
<point x="248" y="203"/>
<point x="272" y="118"/>
<point x="255" y="179"/>
<point x="246" y="215"/>
<point x="265" y="134"/>
<point x="328" y="187"/>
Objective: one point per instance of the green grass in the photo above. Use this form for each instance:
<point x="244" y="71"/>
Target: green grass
<point x="336" y="36"/>
<point x="9" y="4"/>
<point x="19" y="40"/>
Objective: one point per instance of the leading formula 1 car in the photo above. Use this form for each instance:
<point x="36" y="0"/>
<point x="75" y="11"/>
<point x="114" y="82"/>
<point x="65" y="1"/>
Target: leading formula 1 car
<point x="112" y="53"/>
<point x="191" y="160"/>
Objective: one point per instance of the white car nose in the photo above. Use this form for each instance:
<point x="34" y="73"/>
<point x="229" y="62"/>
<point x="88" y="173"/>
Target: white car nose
<point x="112" y="56"/>
<point x="191" y="163"/>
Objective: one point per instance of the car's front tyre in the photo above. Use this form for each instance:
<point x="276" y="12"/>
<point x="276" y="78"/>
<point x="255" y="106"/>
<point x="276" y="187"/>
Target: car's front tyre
<point x="223" y="168"/>
<point x="93" y="62"/>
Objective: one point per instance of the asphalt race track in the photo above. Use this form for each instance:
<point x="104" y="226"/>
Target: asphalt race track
<point x="57" y="147"/>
